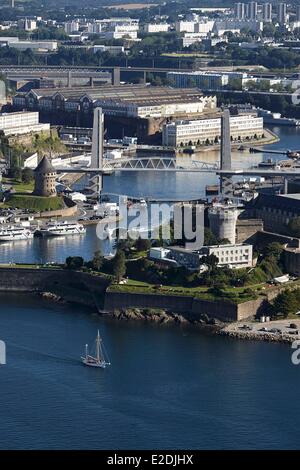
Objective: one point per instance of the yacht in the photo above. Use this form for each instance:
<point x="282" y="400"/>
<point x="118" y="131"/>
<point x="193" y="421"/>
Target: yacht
<point x="60" y="229"/>
<point x="13" y="233"/>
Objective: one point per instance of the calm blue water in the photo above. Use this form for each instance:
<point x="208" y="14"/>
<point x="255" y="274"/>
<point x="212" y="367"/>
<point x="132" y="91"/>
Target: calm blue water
<point x="167" y="387"/>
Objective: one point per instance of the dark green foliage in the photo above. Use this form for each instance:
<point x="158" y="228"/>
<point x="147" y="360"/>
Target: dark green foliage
<point x="119" y="265"/>
<point x="74" y="262"/>
<point x="27" y="175"/>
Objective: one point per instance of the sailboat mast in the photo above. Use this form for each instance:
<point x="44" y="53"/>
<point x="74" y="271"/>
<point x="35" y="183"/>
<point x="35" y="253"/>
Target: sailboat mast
<point x="98" y="347"/>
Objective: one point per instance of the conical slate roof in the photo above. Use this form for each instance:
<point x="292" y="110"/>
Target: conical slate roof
<point x="45" y="166"/>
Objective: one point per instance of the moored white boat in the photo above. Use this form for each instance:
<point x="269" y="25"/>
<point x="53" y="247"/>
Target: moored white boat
<point x="60" y="229"/>
<point x="15" y="233"/>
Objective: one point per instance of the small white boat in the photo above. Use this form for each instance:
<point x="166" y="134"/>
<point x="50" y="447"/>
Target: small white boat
<point x="99" y="359"/>
<point x="13" y="233"/>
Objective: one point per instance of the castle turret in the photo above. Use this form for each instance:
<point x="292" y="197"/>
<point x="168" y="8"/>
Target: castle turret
<point x="44" y="179"/>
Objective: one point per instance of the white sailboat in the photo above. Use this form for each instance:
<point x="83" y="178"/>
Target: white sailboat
<point x="99" y="359"/>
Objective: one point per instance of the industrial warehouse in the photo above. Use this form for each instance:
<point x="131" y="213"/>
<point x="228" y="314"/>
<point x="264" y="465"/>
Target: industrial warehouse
<point x="129" y="110"/>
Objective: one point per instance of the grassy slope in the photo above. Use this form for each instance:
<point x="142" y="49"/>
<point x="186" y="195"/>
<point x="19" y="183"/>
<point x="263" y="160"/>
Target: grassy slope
<point x="36" y="203"/>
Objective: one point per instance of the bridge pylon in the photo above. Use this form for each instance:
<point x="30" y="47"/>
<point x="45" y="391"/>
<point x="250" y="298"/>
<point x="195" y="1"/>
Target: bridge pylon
<point x="226" y="186"/>
<point x="96" y="178"/>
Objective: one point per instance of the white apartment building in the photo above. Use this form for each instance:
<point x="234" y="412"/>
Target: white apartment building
<point x="235" y="26"/>
<point x="71" y="27"/>
<point x="236" y="256"/>
<point x="267" y="12"/>
<point x="21" y="123"/>
<point x="239" y="11"/>
<point x="121" y="31"/>
<point x="208" y="130"/>
<point x="156" y="27"/>
<point x="282" y="13"/>
<point x="94" y="28"/>
<point x="185" y="26"/>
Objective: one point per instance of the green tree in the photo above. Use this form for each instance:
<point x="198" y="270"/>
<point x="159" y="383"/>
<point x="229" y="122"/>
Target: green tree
<point x="97" y="261"/>
<point x="119" y="265"/>
<point x="27" y="175"/>
<point x="16" y="173"/>
<point x="74" y="262"/>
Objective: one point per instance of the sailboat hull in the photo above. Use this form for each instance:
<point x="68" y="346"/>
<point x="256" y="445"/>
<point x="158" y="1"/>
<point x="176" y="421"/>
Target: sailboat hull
<point x="90" y="363"/>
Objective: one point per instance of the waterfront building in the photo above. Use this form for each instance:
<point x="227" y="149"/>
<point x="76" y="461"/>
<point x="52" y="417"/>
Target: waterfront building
<point x="207" y="130"/>
<point x="45" y="179"/>
<point x="222" y="221"/>
<point x="21" y="123"/>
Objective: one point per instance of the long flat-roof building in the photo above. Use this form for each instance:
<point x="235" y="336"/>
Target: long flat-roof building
<point x="21" y="123"/>
<point x="207" y="130"/>
<point x="138" y="109"/>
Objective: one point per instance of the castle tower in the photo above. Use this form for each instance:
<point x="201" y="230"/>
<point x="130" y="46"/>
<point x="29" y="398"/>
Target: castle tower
<point x="44" y="179"/>
<point x="222" y="221"/>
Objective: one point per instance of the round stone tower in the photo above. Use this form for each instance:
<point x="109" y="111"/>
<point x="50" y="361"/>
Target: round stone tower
<point x="44" y="179"/>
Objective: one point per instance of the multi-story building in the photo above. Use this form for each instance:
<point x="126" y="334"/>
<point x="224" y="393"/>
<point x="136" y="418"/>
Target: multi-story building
<point x="94" y="28"/>
<point x="252" y="11"/>
<point x="298" y="13"/>
<point x="122" y="31"/>
<point x="207" y="130"/>
<point x="239" y="11"/>
<point x="205" y="80"/>
<point x="282" y="13"/>
<point x="156" y="27"/>
<point x="185" y="26"/>
<point x="235" y="26"/>
<point x="21" y="123"/>
<point x="191" y="38"/>
<point x="232" y="255"/>
<point x="236" y="256"/>
<point x="267" y="12"/>
<point x="276" y="211"/>
<point x="71" y="27"/>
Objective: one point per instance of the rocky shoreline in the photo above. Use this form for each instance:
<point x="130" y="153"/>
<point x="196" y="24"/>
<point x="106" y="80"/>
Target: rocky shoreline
<point x="164" y="317"/>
